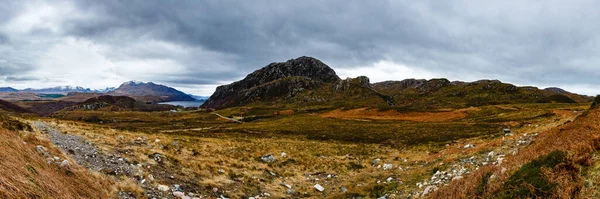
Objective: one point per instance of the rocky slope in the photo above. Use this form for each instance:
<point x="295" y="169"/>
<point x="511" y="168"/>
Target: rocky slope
<point x="150" y="92"/>
<point x="307" y="80"/>
<point x="278" y="79"/>
<point x="444" y="93"/>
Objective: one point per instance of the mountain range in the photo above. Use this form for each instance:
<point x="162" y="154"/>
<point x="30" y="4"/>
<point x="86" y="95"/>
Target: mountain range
<point x="58" y="90"/>
<point x="308" y="81"/>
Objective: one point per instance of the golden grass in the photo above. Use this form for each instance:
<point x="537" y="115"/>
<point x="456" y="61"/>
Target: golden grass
<point x="579" y="139"/>
<point x="25" y="174"/>
<point x="371" y="113"/>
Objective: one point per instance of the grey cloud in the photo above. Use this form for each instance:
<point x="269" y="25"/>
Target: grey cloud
<point x="522" y="42"/>
<point x="21" y="78"/>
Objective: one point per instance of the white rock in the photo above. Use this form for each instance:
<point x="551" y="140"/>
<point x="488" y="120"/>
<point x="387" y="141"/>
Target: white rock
<point x="283" y="155"/>
<point x="268" y="158"/>
<point x="178" y="194"/>
<point x="457" y="178"/>
<point x="375" y="161"/>
<point x="387" y="166"/>
<point x="163" y="188"/>
<point x="469" y="146"/>
<point x="320" y="188"/>
<point x="65" y="165"/>
<point x="428" y="190"/>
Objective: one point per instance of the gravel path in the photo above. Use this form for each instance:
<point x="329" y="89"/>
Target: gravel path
<point x="86" y="153"/>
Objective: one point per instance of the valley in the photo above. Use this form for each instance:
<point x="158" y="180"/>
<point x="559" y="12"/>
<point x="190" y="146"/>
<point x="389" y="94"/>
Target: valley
<point x="283" y="133"/>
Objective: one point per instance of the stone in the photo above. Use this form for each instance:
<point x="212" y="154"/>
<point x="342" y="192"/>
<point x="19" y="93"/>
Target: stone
<point x="41" y="150"/>
<point x="163" y="188"/>
<point x="375" y="161"/>
<point x="320" y="188"/>
<point x="387" y="166"/>
<point x="283" y="155"/>
<point x="503" y="170"/>
<point x="428" y="190"/>
<point x="268" y="158"/>
<point x="151" y="177"/>
<point x="65" y="164"/>
<point x="178" y="194"/>
<point x="468" y="146"/>
<point x="286" y="185"/>
<point x="344" y="189"/>
<point x="457" y="178"/>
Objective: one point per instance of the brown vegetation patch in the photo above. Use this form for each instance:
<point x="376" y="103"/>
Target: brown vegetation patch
<point x="579" y="139"/>
<point x="366" y="113"/>
<point x="25" y="174"/>
<point x="284" y="112"/>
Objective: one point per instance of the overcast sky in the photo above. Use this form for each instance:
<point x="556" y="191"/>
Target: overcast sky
<point x="196" y="45"/>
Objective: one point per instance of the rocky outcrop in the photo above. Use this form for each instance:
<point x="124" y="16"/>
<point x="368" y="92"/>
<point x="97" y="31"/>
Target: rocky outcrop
<point x="274" y="81"/>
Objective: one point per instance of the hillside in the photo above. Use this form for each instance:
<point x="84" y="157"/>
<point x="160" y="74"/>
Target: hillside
<point x="304" y="80"/>
<point x="150" y="92"/>
<point x="563" y="162"/>
<point x="34" y="168"/>
<point x="442" y="93"/>
<point x="10" y="107"/>
<point x="308" y="81"/>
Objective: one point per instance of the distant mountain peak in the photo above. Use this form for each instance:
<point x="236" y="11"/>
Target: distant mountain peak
<point x="138" y="88"/>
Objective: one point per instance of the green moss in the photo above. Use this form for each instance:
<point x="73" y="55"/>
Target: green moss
<point x="529" y="181"/>
<point x="483" y="184"/>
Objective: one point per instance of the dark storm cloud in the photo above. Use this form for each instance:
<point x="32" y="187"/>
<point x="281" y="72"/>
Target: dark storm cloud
<point x="20" y="79"/>
<point x="210" y="42"/>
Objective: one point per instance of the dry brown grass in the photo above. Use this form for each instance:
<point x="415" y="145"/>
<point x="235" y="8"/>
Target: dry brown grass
<point x="579" y="139"/>
<point x="25" y="174"/>
<point x="371" y="113"/>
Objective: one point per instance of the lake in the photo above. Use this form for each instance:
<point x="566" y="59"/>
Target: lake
<point x="185" y="103"/>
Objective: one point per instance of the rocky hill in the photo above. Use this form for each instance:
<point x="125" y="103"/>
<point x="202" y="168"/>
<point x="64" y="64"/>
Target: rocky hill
<point x="280" y="79"/>
<point x="437" y="93"/>
<point x="304" y="80"/>
<point x="308" y="81"/>
<point x="150" y="92"/>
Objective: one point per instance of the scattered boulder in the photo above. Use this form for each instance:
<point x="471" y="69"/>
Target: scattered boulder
<point x="319" y="188"/>
<point x="375" y="161"/>
<point x="268" y="158"/>
<point x="387" y="166"/>
<point x="41" y="150"/>
<point x="283" y="155"/>
<point x="428" y="190"/>
<point x="65" y="164"/>
<point x="344" y="189"/>
<point x="178" y="194"/>
<point x="163" y="188"/>
<point x="468" y="146"/>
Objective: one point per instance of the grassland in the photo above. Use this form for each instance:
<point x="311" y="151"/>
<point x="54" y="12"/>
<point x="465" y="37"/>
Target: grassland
<point x="203" y="152"/>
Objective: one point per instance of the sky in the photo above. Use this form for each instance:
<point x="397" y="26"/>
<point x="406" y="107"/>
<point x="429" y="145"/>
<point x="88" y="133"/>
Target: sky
<point x="195" y="46"/>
